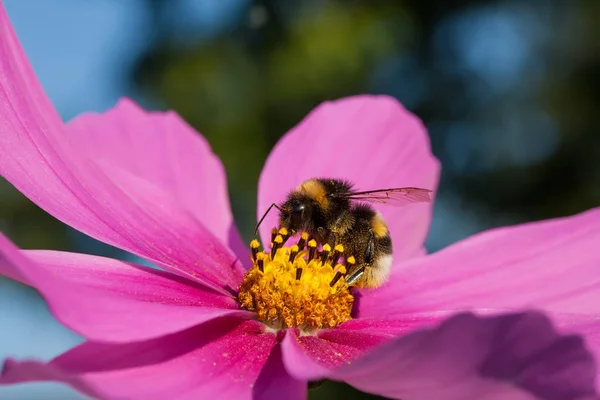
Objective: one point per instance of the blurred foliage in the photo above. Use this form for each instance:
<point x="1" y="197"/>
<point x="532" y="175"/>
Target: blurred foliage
<point x="509" y="90"/>
<point x="26" y="224"/>
<point x="251" y="83"/>
<point x="260" y="75"/>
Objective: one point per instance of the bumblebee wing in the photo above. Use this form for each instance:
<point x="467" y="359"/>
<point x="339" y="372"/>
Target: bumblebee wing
<point x="396" y="196"/>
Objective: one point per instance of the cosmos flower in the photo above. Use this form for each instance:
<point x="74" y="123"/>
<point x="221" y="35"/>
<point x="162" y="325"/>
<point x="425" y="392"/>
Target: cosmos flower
<point x="148" y="184"/>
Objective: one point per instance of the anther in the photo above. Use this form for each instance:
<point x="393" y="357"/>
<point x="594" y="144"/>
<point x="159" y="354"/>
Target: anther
<point x="335" y="279"/>
<point x="254" y="245"/>
<point x="273" y="234"/>
<point x="341" y="270"/>
<point x="302" y="241"/>
<point x="277" y="243"/>
<point x="350" y="261"/>
<point x="325" y="253"/>
<point x="293" y="253"/>
<point x="312" y="249"/>
<point x="261" y="264"/>
<point x="300" y="265"/>
<point x="337" y="253"/>
<point x="284" y="234"/>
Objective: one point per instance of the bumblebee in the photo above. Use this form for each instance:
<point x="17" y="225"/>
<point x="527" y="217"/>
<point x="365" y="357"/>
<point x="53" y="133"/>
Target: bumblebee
<point x="332" y="212"/>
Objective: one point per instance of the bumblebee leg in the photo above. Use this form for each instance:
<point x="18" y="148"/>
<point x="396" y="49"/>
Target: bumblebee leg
<point x="355" y="275"/>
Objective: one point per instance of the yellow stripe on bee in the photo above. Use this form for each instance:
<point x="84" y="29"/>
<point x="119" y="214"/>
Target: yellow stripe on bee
<point x="315" y="190"/>
<point x="379" y="226"/>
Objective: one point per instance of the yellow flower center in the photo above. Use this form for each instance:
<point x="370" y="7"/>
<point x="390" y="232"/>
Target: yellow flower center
<point x="297" y="286"/>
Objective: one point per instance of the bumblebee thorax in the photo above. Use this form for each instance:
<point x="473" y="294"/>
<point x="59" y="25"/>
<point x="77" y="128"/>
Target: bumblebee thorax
<point x="314" y="190"/>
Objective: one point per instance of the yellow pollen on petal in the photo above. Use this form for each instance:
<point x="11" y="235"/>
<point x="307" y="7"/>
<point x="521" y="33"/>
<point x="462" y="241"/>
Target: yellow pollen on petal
<point x="292" y="287"/>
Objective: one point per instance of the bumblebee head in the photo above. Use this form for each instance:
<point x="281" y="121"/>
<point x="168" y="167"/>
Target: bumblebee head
<point x="296" y="213"/>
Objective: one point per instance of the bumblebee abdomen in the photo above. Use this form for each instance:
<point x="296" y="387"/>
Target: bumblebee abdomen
<point x="369" y="225"/>
<point x="378" y="225"/>
<point x="366" y="222"/>
<point x="381" y="233"/>
<point x="380" y="271"/>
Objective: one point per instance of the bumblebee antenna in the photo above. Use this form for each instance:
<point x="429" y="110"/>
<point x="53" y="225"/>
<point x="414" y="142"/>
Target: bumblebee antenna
<point x="265" y="215"/>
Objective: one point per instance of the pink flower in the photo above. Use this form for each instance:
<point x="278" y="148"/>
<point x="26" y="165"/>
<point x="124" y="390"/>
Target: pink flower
<point x="148" y="184"/>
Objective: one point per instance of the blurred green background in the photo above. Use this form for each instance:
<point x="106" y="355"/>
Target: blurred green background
<point x="509" y="90"/>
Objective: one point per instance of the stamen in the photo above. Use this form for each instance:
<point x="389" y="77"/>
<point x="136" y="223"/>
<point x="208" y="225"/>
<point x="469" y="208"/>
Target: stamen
<point x="350" y="261"/>
<point x="293" y="253"/>
<point x="273" y="234"/>
<point x="312" y="249"/>
<point x="354" y="274"/>
<point x="337" y="253"/>
<point x="277" y="243"/>
<point x="284" y="234"/>
<point x="291" y="288"/>
<point x="302" y="241"/>
<point x="325" y="253"/>
<point x="300" y="265"/>
<point x="261" y="264"/>
<point x="341" y="271"/>
<point x="254" y="245"/>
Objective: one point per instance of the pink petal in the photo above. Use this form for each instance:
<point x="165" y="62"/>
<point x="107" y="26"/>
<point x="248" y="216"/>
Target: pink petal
<point x="514" y="357"/>
<point x="310" y="357"/>
<point x="220" y="359"/>
<point x="370" y="140"/>
<point x="552" y="265"/>
<point x="110" y="300"/>
<point x="586" y="325"/>
<point x="299" y="363"/>
<point x="274" y="381"/>
<point x="104" y="201"/>
<point x="387" y="327"/>
<point x="166" y="151"/>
